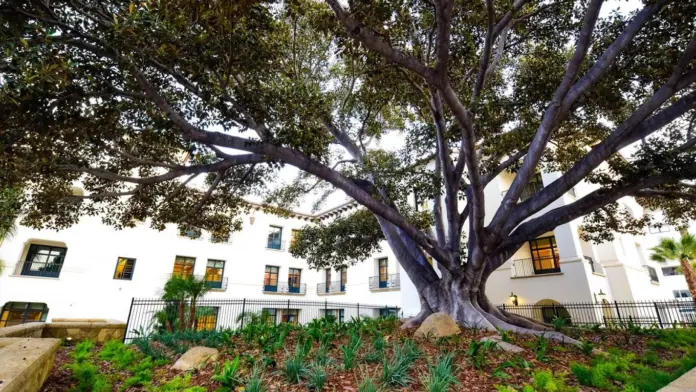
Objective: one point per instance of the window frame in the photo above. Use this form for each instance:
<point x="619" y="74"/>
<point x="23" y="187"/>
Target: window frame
<point x="7" y="310"/>
<point x="222" y="273"/>
<point x="534" y="250"/>
<point x="267" y="286"/>
<point x="294" y="287"/>
<point x="270" y="241"/>
<point x="383" y="278"/>
<point x="33" y="251"/>
<point x="290" y="316"/>
<point x="675" y="292"/>
<point x="193" y="266"/>
<point x="673" y="271"/>
<point x="344" y="277"/>
<point x="215" y="313"/>
<point x="270" y="313"/>
<point x="132" y="269"/>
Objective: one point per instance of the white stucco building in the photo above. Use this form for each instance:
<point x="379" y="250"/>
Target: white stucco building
<point x="92" y="270"/>
<point x="559" y="267"/>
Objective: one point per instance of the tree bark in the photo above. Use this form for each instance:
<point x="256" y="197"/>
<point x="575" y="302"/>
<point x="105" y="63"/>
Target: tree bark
<point x="689" y="275"/>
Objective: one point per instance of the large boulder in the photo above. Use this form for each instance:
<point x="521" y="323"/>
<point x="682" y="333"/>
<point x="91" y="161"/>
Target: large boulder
<point x="438" y="325"/>
<point x="195" y="358"/>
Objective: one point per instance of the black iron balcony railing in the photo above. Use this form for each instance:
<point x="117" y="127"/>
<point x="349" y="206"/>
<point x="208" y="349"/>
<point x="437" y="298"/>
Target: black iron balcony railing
<point x="531" y="267"/>
<point x="331" y="287"/>
<point x="385" y="282"/>
<point x="285" y="288"/>
<point x="36" y="268"/>
<point x="215" y="283"/>
<point x="528" y="191"/>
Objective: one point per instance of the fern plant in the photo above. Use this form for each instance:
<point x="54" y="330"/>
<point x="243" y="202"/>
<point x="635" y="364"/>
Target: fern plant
<point x="229" y="376"/>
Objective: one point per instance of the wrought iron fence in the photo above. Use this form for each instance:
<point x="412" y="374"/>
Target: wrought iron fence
<point x="151" y="315"/>
<point x="659" y="314"/>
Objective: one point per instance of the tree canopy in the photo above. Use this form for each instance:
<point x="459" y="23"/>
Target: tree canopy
<point x="141" y="100"/>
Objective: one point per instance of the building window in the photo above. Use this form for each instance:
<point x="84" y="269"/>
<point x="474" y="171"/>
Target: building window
<point x="327" y="279"/>
<point x="659" y="229"/>
<point x="183" y="266"/>
<point x="290" y="316"/>
<point x="679" y="294"/>
<point x="43" y="260"/>
<point x="653" y="274"/>
<point x="206" y="319"/>
<point x="294" y="275"/>
<point x="671" y="271"/>
<point x="293" y="236"/>
<point x="383" y="266"/>
<point x="385" y="312"/>
<point x="15" y="313"/>
<point x="124" y="268"/>
<point x="545" y="255"/>
<point x="535" y="185"/>
<point x="268" y="315"/>
<point x="337" y="314"/>
<point x="270" y="279"/>
<point x="275" y="236"/>
<point x="344" y="278"/>
<point x="214" y="271"/>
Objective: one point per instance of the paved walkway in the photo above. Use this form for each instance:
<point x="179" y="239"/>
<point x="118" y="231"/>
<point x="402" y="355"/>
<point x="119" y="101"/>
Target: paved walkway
<point x="687" y="382"/>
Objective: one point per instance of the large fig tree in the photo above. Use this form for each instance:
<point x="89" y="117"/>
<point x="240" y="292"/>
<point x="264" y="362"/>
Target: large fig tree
<point x="177" y="110"/>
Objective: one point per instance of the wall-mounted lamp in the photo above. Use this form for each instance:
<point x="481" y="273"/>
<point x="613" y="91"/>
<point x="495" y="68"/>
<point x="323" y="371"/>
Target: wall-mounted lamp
<point x="513" y="298"/>
<point x="600" y="297"/>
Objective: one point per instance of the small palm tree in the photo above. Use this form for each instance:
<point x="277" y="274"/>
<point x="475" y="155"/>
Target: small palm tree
<point x="195" y="289"/>
<point x="683" y="250"/>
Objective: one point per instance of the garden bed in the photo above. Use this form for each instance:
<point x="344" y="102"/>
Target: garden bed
<point x="345" y="357"/>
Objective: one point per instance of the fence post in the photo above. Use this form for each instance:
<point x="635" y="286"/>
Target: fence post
<point x="503" y="307"/>
<point x="358" y="309"/>
<point x="326" y="308"/>
<point x="618" y="312"/>
<point x="130" y="311"/>
<point x="287" y="314"/>
<point x="657" y="310"/>
<point x="555" y="312"/>
<point x="243" y="309"/>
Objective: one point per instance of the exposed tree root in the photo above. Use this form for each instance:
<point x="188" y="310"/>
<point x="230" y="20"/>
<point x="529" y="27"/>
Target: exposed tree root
<point x="426" y="311"/>
<point x="506" y="326"/>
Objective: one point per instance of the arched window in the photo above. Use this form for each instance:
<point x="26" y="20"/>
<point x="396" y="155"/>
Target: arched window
<point x="15" y="313"/>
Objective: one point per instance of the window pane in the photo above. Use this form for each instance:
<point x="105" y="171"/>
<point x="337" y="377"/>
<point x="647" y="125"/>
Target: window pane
<point x="183" y="266"/>
<point x="124" y="268"/>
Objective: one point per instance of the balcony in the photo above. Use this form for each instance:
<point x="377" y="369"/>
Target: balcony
<point x="528" y="191"/>
<point x="285" y="288"/>
<point x="335" y="287"/>
<point x="389" y="282"/>
<point x="39" y="269"/>
<point x="217" y="285"/>
<point x="276" y="245"/>
<point x="531" y="267"/>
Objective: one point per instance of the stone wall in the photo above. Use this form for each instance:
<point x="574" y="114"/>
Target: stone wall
<point x="29" y="330"/>
<point x="77" y="330"/>
<point x="25" y="363"/>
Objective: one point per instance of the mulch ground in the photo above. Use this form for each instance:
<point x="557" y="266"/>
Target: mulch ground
<point x="558" y="358"/>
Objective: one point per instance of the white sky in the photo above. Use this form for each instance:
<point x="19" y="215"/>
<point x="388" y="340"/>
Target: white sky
<point x="392" y="141"/>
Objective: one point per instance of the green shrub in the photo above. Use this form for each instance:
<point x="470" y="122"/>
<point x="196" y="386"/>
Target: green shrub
<point x="177" y="384"/>
<point x="88" y="377"/>
<point x="540" y="347"/>
<point x="369" y="385"/>
<point x="82" y="351"/>
<point x="118" y="354"/>
<point x="545" y="381"/>
<point x="145" y="346"/>
<point x="142" y="373"/>
<point x="478" y="351"/>
<point x="395" y="372"/>
<point x="229" y="376"/>
<point x="255" y="383"/>
<point x="350" y="351"/>
<point x="646" y="379"/>
<point x="559" y="323"/>
<point x="440" y="377"/>
<point x="316" y="378"/>
<point x="295" y="366"/>
<point x="586" y="347"/>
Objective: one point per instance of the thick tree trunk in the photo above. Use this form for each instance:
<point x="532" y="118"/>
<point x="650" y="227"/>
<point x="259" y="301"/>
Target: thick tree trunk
<point x="689" y="275"/>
